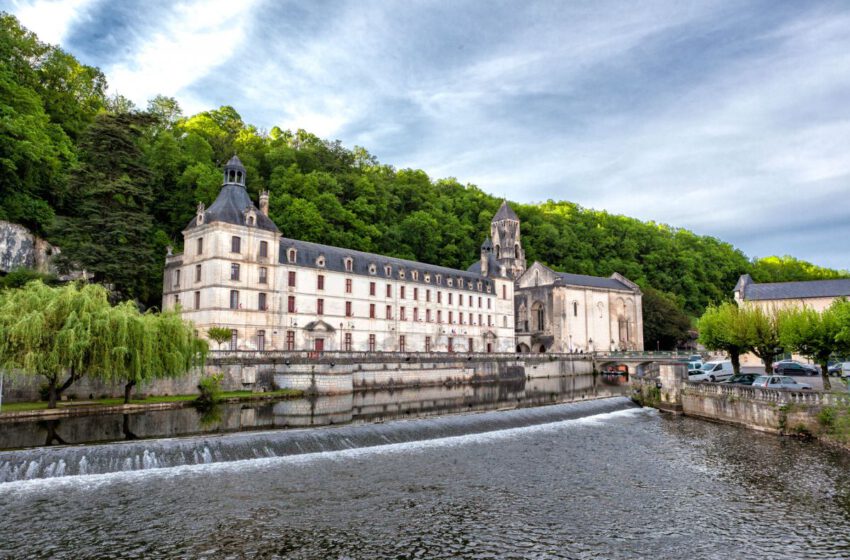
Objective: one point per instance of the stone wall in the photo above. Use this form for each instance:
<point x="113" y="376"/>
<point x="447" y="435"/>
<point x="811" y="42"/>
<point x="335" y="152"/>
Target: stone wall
<point x="21" y="249"/>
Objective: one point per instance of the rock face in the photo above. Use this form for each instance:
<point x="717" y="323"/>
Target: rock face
<point x="21" y="249"/>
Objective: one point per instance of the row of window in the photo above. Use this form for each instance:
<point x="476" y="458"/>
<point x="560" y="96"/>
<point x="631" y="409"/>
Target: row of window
<point x="347" y="344"/>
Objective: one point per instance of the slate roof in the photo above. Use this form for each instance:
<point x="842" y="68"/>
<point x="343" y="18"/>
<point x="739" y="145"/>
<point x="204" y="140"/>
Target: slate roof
<point x="492" y="265"/>
<point x="505" y="213"/>
<point x="308" y="253"/>
<point x="796" y="290"/>
<point x="591" y="281"/>
<point x="229" y="207"/>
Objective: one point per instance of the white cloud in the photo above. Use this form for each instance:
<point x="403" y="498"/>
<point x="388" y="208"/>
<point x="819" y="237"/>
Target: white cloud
<point x="50" y="19"/>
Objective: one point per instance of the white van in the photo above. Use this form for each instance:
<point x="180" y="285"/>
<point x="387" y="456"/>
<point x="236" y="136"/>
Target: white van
<point x="712" y="371"/>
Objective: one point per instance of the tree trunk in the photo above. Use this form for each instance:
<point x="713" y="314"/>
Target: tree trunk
<point x="128" y="388"/>
<point x="735" y="357"/>
<point x="53" y="395"/>
<point x="824" y="373"/>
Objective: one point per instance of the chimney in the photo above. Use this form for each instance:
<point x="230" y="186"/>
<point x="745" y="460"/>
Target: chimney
<point x="264" y="202"/>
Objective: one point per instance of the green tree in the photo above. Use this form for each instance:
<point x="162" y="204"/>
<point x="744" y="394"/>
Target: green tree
<point x="219" y="334"/>
<point x="110" y="232"/>
<point x="665" y="323"/>
<point x="764" y="332"/>
<point x="818" y="335"/>
<point x="55" y="333"/>
<point x="724" y="327"/>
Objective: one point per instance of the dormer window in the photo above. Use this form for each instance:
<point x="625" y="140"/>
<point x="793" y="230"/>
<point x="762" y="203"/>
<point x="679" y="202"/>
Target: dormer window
<point x="450" y="282"/>
<point x="478" y="287"/>
<point x="401" y="273"/>
<point x="427" y="278"/>
<point x="415" y="275"/>
<point x="349" y="264"/>
<point x="388" y="270"/>
<point x="439" y="279"/>
<point x="320" y="261"/>
<point x="250" y="220"/>
<point x="290" y="255"/>
<point x="372" y="268"/>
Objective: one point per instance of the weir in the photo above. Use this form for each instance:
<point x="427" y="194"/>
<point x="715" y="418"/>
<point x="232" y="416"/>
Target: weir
<point x="67" y="461"/>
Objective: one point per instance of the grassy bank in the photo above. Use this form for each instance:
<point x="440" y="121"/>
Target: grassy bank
<point x="224" y="396"/>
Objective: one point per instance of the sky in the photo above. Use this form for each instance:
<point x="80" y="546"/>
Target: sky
<point x="731" y="119"/>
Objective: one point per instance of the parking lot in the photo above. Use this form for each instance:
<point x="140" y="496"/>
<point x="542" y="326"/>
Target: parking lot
<point x="815" y="381"/>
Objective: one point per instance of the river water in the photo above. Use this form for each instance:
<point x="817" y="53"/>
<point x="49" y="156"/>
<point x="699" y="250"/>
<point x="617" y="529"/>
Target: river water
<point x="590" y="479"/>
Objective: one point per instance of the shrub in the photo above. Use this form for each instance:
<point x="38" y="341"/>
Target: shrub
<point x="826" y="417"/>
<point x="210" y="388"/>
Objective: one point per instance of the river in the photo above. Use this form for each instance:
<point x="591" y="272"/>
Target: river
<point x="591" y="479"/>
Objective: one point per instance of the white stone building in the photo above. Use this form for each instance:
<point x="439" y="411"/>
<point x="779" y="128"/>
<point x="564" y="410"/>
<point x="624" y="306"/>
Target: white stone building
<point x="237" y="271"/>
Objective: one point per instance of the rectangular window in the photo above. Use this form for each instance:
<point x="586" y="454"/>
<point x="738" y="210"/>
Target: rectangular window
<point x="401" y="314"/>
<point x="348" y="285"/>
<point x="234" y="299"/>
<point x="290" y="304"/>
<point x="197" y="273"/>
<point x="291" y="279"/>
<point x="264" y="275"/>
<point x="489" y="301"/>
<point x="371" y="343"/>
<point x="450" y="298"/>
<point x="451" y="318"/>
<point x="348" y="309"/>
<point x="427" y="295"/>
<point x="401" y="292"/>
<point x="389" y="312"/>
<point x="415" y="293"/>
<point x="200" y="245"/>
<point x="504" y="292"/>
<point x="347" y="343"/>
<point x="261" y="341"/>
<point x="439" y="316"/>
<point x="439" y="297"/>
<point x="471" y="346"/>
<point x="371" y="310"/>
<point x="479" y="302"/>
<point x="320" y="282"/>
<point x="176" y="300"/>
<point x="177" y="278"/>
<point x="427" y="315"/>
<point x="261" y="302"/>
<point x="489" y="320"/>
<point x="451" y="344"/>
<point x="415" y="313"/>
<point x="427" y="343"/>
<point x="389" y="290"/>
<point x="197" y="300"/>
<point x="460" y="317"/>
<point x="235" y="244"/>
<point x="480" y="319"/>
<point x="349" y="265"/>
<point x="234" y="271"/>
<point x="290" y="340"/>
<point x="234" y="339"/>
<point x="264" y="249"/>
<point x="401" y="343"/>
<point x="320" y="306"/>
<point x="371" y="288"/>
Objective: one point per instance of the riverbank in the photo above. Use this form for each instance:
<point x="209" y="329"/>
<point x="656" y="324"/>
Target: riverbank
<point x="16" y="411"/>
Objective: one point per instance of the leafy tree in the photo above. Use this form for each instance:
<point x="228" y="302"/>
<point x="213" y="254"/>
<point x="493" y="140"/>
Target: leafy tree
<point x="818" y="335"/>
<point x="664" y="320"/>
<point x="764" y="332"/>
<point x="724" y="327"/>
<point x="54" y="333"/>
<point x="111" y="231"/>
<point x="219" y="335"/>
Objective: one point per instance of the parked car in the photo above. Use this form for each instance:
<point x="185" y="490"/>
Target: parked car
<point x="840" y="369"/>
<point x="694" y="366"/>
<point x="742" y="379"/>
<point x="792" y="367"/>
<point x="712" y="371"/>
<point x="780" y="382"/>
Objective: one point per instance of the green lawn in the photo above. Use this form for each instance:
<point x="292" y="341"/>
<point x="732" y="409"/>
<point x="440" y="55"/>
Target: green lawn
<point x="246" y="395"/>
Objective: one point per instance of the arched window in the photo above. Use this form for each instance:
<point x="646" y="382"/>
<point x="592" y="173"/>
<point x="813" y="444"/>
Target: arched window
<point x="290" y="255"/>
<point x="538" y="315"/>
<point x="498" y="252"/>
<point x="516" y="251"/>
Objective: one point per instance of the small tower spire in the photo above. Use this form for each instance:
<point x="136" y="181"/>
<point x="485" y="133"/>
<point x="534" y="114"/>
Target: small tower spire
<point x="234" y="172"/>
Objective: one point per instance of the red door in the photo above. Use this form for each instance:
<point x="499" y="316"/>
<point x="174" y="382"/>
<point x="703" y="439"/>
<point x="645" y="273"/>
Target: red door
<point x="319" y="345"/>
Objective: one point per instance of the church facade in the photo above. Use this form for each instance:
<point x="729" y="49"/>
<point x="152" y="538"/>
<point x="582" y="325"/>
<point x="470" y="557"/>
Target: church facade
<point x="239" y="272"/>
<point x="274" y="293"/>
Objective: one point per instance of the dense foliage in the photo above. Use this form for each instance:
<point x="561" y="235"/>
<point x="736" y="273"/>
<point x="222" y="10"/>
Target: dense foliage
<point x="112" y="187"/>
<point x="67" y="332"/>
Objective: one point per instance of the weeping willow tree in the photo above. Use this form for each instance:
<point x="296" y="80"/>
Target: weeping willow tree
<point x="70" y="331"/>
<point x="143" y="347"/>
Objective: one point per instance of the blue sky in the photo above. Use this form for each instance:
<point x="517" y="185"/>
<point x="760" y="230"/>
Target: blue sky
<point x="731" y="119"/>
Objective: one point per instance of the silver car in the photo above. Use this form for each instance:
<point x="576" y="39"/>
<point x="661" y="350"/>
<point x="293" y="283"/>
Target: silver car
<point x="780" y="382"/>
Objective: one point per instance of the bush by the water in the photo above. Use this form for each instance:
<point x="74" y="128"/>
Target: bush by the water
<point x="209" y="388"/>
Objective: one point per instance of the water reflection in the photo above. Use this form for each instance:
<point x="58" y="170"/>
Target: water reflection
<point x="365" y="406"/>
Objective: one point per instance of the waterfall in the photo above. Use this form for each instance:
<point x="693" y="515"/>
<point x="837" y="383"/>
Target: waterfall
<point x="137" y="455"/>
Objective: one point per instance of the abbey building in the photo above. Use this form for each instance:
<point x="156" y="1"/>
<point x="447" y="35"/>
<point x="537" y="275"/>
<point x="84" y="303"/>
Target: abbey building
<point x="275" y="293"/>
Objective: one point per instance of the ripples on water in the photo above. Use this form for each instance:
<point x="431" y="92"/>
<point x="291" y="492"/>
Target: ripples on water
<point x="626" y="484"/>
